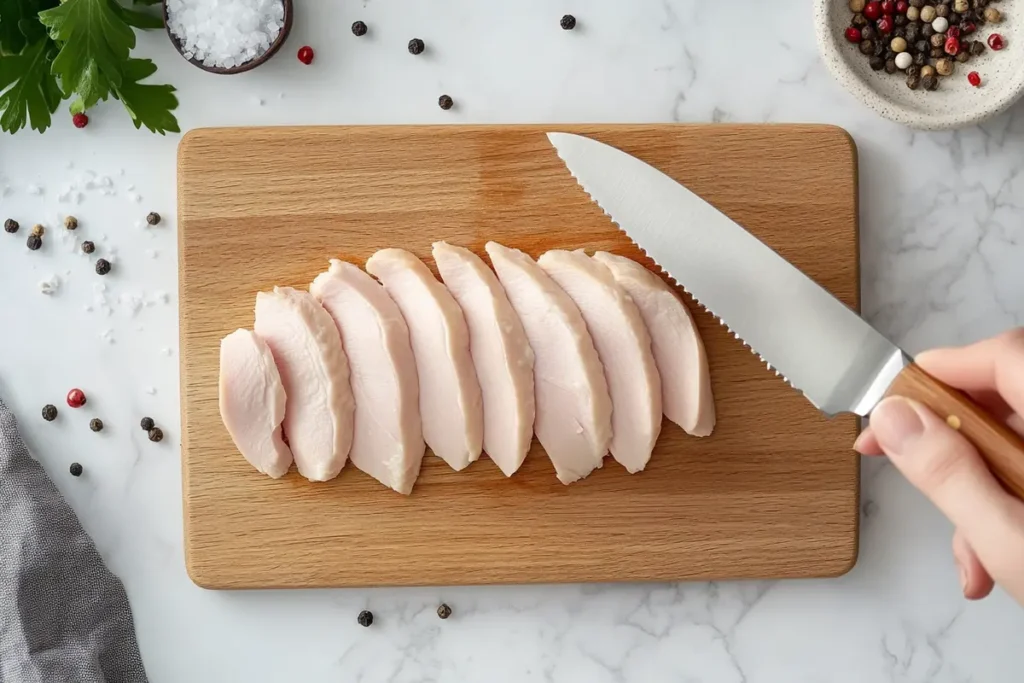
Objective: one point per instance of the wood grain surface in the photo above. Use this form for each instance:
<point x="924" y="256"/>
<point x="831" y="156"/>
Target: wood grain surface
<point x="772" y="493"/>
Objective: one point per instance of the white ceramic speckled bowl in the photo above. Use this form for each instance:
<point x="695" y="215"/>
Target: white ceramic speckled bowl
<point x="956" y="103"/>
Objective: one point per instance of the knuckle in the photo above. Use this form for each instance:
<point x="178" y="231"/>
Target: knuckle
<point x="1013" y="340"/>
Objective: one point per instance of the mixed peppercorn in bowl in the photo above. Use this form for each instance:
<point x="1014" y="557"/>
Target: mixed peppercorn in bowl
<point x="928" y="64"/>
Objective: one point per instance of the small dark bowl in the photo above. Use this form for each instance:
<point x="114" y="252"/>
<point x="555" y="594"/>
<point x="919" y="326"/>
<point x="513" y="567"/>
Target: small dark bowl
<point x="286" y="27"/>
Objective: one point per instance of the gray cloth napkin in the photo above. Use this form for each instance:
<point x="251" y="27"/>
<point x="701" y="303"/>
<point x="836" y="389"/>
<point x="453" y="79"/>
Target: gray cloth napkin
<point x="63" y="615"/>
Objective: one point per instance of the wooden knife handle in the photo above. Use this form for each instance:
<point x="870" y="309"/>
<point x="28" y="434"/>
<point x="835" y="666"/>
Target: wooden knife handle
<point x="1001" y="447"/>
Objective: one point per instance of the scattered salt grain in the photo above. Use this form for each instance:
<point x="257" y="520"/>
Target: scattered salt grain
<point x="166" y="350"/>
<point x="227" y="33"/>
<point x="130" y="188"/>
<point x="99" y="287"/>
<point x="161" y="296"/>
<point x="88" y="308"/>
<point x="151" y="390"/>
<point x="107" y="335"/>
<point x="151" y="253"/>
<point x="105" y="181"/>
<point x="35" y="189"/>
<point x="50" y="285"/>
<point x="134" y="197"/>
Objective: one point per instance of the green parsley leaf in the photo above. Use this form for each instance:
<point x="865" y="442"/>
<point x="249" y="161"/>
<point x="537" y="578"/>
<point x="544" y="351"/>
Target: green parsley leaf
<point x="139" y="19"/>
<point x="29" y="91"/>
<point x="149" y="105"/>
<point x="95" y="42"/>
<point x="12" y="40"/>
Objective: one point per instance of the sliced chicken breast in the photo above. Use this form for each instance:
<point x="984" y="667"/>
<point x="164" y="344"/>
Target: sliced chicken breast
<point x="387" y="440"/>
<point x="314" y="371"/>
<point x="451" y="407"/>
<point x="624" y="348"/>
<point x="574" y="410"/>
<point x="678" y="349"/>
<point x="501" y="354"/>
<point x="252" y="402"/>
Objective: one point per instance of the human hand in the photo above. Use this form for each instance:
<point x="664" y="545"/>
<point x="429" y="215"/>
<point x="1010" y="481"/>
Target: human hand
<point x="989" y="541"/>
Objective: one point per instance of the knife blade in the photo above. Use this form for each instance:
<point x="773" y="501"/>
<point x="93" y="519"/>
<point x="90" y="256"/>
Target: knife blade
<point x="819" y="345"/>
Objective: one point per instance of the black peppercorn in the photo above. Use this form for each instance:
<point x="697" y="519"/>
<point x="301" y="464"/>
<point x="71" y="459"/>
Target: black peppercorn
<point x="96" y="424"/>
<point x="71" y="223"/>
<point x="937" y="52"/>
<point x="156" y="434"/>
<point x="922" y="46"/>
<point x="890" y="66"/>
<point x="917" y="3"/>
<point x="913" y="81"/>
<point x="49" y="412"/>
<point x="359" y="28"/>
<point x="954" y="18"/>
<point x="877" y="63"/>
<point x="899" y="32"/>
<point x="901" y="20"/>
<point x="147" y="424"/>
<point x="977" y="47"/>
<point x="913" y="31"/>
<point x="11" y="225"/>
<point x="444" y="611"/>
<point x="75" y="469"/>
<point x="869" y="33"/>
<point x="963" y="57"/>
<point x="416" y="46"/>
<point x="930" y="82"/>
<point x="445" y="102"/>
<point x="34" y="242"/>
<point x="927" y="31"/>
<point x="568" y="21"/>
<point x="102" y="266"/>
<point x="88" y="247"/>
<point x="365" y="618"/>
<point x="888" y="54"/>
<point x="867" y="46"/>
<point x="920" y="59"/>
<point x="153" y="218"/>
<point x="942" y="11"/>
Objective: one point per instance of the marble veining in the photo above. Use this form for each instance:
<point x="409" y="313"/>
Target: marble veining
<point x="941" y="220"/>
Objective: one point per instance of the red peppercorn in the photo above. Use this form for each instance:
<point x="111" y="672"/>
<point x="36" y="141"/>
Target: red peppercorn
<point x="306" y="54"/>
<point x="853" y="34"/>
<point x="974" y="78"/>
<point x="76" y="398"/>
<point x="953" y="32"/>
<point x="952" y="47"/>
<point x="884" y="25"/>
<point x="968" y="27"/>
<point x="873" y="10"/>
<point x="888" y="7"/>
<point x="995" y="41"/>
<point x="902" y="6"/>
<point x="80" y="120"/>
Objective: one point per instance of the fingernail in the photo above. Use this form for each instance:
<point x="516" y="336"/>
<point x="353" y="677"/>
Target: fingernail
<point x="860" y="442"/>
<point x="963" y="578"/>
<point x="896" y="424"/>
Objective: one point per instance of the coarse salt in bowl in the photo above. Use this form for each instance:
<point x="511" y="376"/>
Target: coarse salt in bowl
<point x="956" y="103"/>
<point x="225" y="35"/>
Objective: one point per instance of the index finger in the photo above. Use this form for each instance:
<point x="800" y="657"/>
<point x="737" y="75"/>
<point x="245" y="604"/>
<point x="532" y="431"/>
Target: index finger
<point x="991" y="366"/>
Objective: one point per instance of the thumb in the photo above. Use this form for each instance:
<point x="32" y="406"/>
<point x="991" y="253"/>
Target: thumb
<point x="944" y="465"/>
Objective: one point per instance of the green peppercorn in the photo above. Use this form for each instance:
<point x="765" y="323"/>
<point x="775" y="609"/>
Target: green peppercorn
<point x="943" y="11"/>
<point x="153" y="218"/>
<point x="75" y="469"/>
<point x="359" y="28"/>
<point x="963" y="57"/>
<point x="102" y="266"/>
<point x="49" y="412"/>
<point x="11" y="225"/>
<point x="568" y="22"/>
<point x="416" y="46"/>
<point x="445" y="102"/>
<point x="34" y="242"/>
<point x="937" y="52"/>
<point x="156" y="434"/>
<point x="444" y="611"/>
<point x="917" y="3"/>
<point x="938" y="40"/>
<point x="71" y="223"/>
<point x="88" y="247"/>
<point x="38" y="230"/>
<point x="365" y="618"/>
<point x="147" y="424"/>
<point x="944" y="66"/>
<point x="96" y="424"/>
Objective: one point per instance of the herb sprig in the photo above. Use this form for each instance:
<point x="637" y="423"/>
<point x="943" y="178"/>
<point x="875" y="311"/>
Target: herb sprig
<point x="80" y="50"/>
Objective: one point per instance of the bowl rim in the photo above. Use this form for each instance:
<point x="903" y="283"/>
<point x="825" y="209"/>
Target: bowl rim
<point x="835" y="62"/>
<point x="286" y="28"/>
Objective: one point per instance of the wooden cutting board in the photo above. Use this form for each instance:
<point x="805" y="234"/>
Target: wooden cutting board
<point x="772" y="493"/>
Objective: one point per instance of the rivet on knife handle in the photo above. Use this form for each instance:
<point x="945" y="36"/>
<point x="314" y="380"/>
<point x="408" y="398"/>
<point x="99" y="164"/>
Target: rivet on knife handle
<point x="1000" y="447"/>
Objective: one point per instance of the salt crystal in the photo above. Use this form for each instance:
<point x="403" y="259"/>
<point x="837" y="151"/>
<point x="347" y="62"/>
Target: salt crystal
<point x="131" y="187"/>
<point x="105" y="181"/>
<point x="79" y="197"/>
<point x="50" y="285"/>
<point x="162" y="296"/>
<point x="166" y="350"/>
<point x="225" y="33"/>
<point x="99" y="287"/>
<point x="133" y="197"/>
<point x="35" y="189"/>
<point x="151" y="253"/>
<point x="140" y="328"/>
<point x="88" y="308"/>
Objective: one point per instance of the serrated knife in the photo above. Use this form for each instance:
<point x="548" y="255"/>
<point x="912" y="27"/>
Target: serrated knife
<point x="818" y="344"/>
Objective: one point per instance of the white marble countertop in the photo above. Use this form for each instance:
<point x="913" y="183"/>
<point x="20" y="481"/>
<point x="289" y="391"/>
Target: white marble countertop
<point x="941" y="241"/>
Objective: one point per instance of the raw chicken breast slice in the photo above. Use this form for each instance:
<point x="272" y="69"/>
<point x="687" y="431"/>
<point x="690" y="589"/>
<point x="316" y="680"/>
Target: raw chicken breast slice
<point x="314" y="371"/>
<point x="387" y="442"/>
<point x="574" y="410"/>
<point x="252" y="402"/>
<point x="451" y="406"/>
<point x="501" y="354"/>
<point x="678" y="349"/>
<point x="624" y="348"/>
